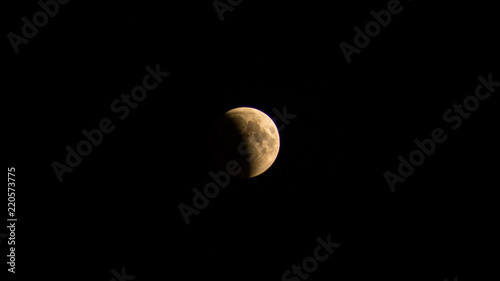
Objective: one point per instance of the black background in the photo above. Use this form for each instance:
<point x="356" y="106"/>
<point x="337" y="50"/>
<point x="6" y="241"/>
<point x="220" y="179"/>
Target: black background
<point x="119" y="208"/>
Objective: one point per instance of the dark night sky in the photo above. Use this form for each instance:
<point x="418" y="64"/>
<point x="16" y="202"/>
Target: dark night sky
<point x="119" y="207"/>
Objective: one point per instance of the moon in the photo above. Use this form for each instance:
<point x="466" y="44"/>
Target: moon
<point x="248" y="136"/>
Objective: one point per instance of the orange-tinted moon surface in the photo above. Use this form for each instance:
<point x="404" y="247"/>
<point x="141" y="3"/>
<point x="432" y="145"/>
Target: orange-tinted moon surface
<point x="248" y="136"/>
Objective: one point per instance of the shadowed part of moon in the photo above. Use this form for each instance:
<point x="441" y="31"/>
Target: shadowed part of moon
<point x="248" y="136"/>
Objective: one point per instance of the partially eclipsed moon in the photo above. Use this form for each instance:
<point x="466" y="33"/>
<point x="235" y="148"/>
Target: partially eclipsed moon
<point x="248" y="136"/>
